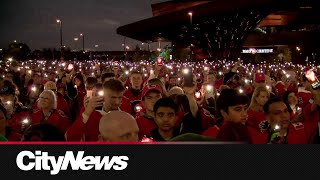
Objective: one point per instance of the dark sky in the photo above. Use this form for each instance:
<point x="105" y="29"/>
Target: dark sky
<point x="34" y="22"/>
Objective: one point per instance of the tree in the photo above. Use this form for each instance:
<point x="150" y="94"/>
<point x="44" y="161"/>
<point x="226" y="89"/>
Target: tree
<point x="19" y="51"/>
<point x="137" y="54"/>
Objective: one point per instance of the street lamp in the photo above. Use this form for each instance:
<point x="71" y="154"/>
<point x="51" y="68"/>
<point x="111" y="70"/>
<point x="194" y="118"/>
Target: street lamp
<point x="60" y="23"/>
<point x="190" y="14"/>
<point x="82" y="41"/>
<point x="75" y="39"/>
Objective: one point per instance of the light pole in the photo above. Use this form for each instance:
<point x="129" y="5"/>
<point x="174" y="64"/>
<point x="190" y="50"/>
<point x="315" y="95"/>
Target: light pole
<point x="82" y="41"/>
<point x="76" y="40"/>
<point x="60" y="23"/>
<point x="190" y="14"/>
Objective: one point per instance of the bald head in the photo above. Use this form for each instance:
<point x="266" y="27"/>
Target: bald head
<point x="118" y="126"/>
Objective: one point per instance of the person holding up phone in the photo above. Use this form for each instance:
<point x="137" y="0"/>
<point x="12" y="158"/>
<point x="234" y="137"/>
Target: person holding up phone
<point x="86" y="127"/>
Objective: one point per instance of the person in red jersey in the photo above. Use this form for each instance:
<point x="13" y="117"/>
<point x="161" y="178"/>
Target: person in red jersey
<point x="86" y="127"/>
<point x="150" y="95"/>
<point x="17" y="115"/>
<point x="279" y="129"/>
<point x="165" y="111"/>
<point x="48" y="112"/>
<point x="134" y="91"/>
<point x="61" y="102"/>
<point x="255" y="111"/>
<point x="232" y="106"/>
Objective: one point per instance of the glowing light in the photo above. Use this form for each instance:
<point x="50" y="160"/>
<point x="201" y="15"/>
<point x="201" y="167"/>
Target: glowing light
<point x="138" y="108"/>
<point x="33" y="89"/>
<point x="198" y="95"/>
<point x="101" y="93"/>
<point x="209" y="88"/>
<point x="268" y="87"/>
<point x="25" y="121"/>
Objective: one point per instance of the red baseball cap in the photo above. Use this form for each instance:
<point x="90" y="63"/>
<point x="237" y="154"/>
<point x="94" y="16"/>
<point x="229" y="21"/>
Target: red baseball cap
<point x="151" y="87"/>
<point x="259" y="77"/>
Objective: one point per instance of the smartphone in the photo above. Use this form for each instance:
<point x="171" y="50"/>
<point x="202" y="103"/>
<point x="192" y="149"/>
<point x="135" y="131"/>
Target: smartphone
<point x="89" y="93"/>
<point x="210" y="90"/>
<point x="99" y="93"/>
<point x="311" y="76"/>
<point x="198" y="96"/>
<point x="188" y="78"/>
<point x="69" y="68"/>
<point x="160" y="61"/>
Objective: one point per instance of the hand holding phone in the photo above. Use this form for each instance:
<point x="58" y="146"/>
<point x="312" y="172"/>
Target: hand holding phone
<point x="89" y="93"/>
<point x="100" y="94"/>
<point x="210" y="91"/>
<point x="188" y="78"/>
<point x="311" y="76"/>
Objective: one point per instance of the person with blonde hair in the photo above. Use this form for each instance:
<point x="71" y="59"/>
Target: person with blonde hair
<point x="256" y="116"/>
<point x="48" y="112"/>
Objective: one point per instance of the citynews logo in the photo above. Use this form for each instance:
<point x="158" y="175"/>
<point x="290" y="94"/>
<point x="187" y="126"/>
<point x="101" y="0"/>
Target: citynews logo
<point x="42" y="161"/>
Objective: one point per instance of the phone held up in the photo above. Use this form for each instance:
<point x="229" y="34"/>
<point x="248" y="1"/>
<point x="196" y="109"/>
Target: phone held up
<point x="188" y="77"/>
<point x="99" y="93"/>
<point x="311" y="76"/>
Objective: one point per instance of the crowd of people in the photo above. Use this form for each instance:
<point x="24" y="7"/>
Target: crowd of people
<point x="119" y="101"/>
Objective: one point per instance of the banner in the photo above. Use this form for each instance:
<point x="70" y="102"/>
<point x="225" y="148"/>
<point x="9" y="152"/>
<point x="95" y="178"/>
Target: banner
<point x="150" y="161"/>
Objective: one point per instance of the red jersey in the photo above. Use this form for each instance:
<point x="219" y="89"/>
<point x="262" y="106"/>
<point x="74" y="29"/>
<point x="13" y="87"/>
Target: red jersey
<point x="126" y="105"/>
<point x="212" y="131"/>
<point x="304" y="97"/>
<point x="231" y="131"/>
<point x="310" y="116"/>
<point x="80" y="131"/>
<point x="145" y="124"/>
<point x="255" y="118"/>
<point x="207" y="119"/>
<point x="56" y="118"/>
<point x="63" y="105"/>
<point x="298" y="133"/>
<point x="131" y="96"/>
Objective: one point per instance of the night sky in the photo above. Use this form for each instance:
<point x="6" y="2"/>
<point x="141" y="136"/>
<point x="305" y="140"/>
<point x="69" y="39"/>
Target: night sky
<point x="34" y="22"/>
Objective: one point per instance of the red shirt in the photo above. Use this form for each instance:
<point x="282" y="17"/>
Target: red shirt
<point x="211" y="132"/>
<point x="304" y="97"/>
<point x="255" y="118"/>
<point x="310" y="116"/>
<point x="207" y="120"/>
<point x="16" y="121"/>
<point x="231" y="131"/>
<point x="128" y="93"/>
<point x="57" y="118"/>
<point x="146" y="125"/>
<point x="126" y="105"/>
<point x="63" y="105"/>
<point x="79" y="131"/>
<point x="298" y="133"/>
